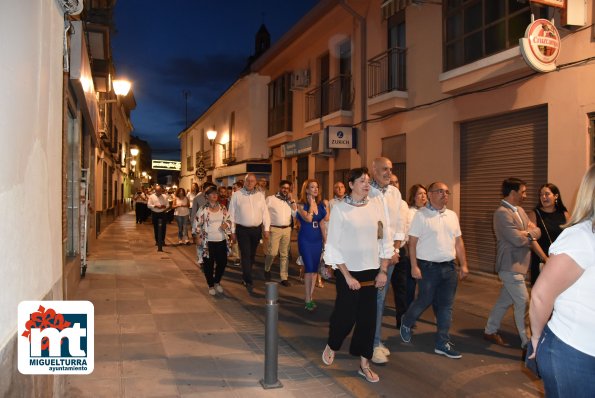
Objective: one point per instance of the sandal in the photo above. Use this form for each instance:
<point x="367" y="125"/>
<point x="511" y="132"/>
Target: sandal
<point x="328" y="355"/>
<point x="367" y="374"/>
<point x="309" y="306"/>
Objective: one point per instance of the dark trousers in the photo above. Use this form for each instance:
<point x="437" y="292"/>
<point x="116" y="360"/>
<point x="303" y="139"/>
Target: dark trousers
<point x="217" y="259"/>
<point x="140" y="209"/>
<point x="403" y="285"/>
<point x="248" y="240"/>
<point x="354" y="308"/>
<point x="155" y="217"/>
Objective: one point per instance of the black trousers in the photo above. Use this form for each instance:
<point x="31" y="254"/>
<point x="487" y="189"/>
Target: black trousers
<point x="248" y="240"/>
<point x="217" y="259"/>
<point x="140" y="209"/>
<point x="155" y="217"/>
<point x="403" y="285"/>
<point x="354" y="308"/>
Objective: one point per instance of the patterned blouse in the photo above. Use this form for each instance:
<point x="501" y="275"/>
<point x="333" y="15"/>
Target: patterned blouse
<point x="201" y="225"/>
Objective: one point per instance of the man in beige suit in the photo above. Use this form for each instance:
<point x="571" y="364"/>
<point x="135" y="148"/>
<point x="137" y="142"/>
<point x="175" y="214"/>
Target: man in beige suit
<point x="515" y="235"/>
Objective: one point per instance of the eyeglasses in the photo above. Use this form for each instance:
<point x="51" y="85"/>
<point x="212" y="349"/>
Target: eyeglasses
<point x="442" y="191"/>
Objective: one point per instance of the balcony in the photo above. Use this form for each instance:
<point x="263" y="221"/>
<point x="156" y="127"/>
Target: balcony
<point x="330" y="97"/>
<point x="387" y="81"/>
<point x="189" y="163"/>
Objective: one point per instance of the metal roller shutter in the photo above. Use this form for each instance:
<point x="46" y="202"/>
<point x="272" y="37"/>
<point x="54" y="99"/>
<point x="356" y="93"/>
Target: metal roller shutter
<point x="492" y="149"/>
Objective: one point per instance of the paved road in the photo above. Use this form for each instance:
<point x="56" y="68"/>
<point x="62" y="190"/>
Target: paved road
<point x="413" y="370"/>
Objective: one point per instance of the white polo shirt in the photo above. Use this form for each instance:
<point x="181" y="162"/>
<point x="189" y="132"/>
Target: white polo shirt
<point x="436" y="232"/>
<point x="391" y="200"/>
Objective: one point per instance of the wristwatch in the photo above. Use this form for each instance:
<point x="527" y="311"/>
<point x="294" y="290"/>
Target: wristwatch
<point x="530" y="237"/>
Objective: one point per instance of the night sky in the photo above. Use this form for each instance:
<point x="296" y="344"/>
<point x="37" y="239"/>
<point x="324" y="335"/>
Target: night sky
<point x="168" y="47"/>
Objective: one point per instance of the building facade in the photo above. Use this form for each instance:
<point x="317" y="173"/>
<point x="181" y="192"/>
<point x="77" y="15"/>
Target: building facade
<point x="443" y="91"/>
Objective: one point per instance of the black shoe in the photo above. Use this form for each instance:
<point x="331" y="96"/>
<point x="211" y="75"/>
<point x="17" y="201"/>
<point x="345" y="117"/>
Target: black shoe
<point x="267" y="275"/>
<point x="248" y="287"/>
<point x="285" y="283"/>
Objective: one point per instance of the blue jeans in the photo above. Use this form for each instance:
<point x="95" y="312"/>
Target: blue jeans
<point x="438" y="287"/>
<point x="380" y="299"/>
<point x="182" y="227"/>
<point x="566" y="372"/>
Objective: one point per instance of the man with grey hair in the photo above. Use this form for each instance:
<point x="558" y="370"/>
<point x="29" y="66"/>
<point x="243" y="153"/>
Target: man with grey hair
<point x="250" y="221"/>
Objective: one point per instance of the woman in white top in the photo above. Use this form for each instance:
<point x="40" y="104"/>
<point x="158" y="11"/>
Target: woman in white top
<point x="357" y="237"/>
<point x="565" y="347"/>
<point x="213" y="228"/>
<point x="181" y="206"/>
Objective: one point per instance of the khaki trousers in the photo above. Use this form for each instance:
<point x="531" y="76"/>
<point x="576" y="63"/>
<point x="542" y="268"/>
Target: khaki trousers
<point x="279" y="241"/>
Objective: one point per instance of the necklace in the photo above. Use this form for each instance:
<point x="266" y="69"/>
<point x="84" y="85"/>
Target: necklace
<point x="357" y="203"/>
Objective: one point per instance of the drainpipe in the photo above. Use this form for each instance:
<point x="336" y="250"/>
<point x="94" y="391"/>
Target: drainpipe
<point x="362" y="139"/>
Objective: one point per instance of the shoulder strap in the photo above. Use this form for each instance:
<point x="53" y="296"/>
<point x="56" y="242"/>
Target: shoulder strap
<point x="544" y="227"/>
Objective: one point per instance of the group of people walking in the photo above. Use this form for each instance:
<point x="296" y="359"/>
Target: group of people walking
<point x="374" y="239"/>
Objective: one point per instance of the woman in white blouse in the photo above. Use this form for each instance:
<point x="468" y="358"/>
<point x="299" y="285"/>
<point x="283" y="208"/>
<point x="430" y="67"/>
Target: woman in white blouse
<point x="565" y="345"/>
<point x="357" y="237"/>
<point x="181" y="206"/>
<point x="213" y="227"/>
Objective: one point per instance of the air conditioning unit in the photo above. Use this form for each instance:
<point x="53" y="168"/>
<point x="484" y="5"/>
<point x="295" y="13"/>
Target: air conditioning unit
<point x="300" y="79"/>
<point x="320" y="144"/>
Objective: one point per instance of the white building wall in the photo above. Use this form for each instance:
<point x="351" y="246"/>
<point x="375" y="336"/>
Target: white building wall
<point x="31" y="157"/>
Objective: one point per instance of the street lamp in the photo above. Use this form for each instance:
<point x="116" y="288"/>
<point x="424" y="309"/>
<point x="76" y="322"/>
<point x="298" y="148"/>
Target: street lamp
<point x="134" y="151"/>
<point x="133" y="163"/>
<point x="121" y="88"/>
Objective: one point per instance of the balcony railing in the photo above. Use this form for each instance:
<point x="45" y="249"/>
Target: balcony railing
<point x="387" y="72"/>
<point x="332" y="96"/>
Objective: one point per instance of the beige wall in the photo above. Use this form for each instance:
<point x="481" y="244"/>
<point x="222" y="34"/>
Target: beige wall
<point x="248" y="99"/>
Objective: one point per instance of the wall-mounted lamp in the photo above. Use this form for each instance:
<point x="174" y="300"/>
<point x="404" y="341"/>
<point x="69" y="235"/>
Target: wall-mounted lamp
<point x="134" y="151"/>
<point x="121" y="88"/>
<point x="144" y="173"/>
<point x="133" y="162"/>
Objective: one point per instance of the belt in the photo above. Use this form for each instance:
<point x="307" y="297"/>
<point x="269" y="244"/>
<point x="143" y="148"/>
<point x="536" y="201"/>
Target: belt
<point x="281" y="226"/>
<point x="244" y="226"/>
<point x="437" y="263"/>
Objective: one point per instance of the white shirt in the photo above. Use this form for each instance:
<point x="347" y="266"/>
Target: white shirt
<point x="214" y="233"/>
<point x="182" y="211"/>
<point x="573" y="319"/>
<point x="248" y="210"/>
<point x="160" y="200"/>
<point x="352" y="236"/>
<point x="436" y="233"/>
<point x="391" y="200"/>
<point x="279" y="211"/>
<point x="407" y="214"/>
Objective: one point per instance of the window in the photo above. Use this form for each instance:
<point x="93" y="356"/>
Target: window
<point x="189" y="145"/>
<point x="280" y="105"/>
<point x="396" y="52"/>
<point x="474" y="29"/>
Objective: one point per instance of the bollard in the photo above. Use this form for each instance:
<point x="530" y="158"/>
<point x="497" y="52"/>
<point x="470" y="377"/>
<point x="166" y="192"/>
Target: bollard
<point x="271" y="338"/>
<point x="160" y="236"/>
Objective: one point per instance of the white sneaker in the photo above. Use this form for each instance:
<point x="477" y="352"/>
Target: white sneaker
<point x="186" y="241"/>
<point x="378" y="356"/>
<point x="218" y="288"/>
<point x="383" y="348"/>
<point x="179" y="242"/>
<point x="212" y="291"/>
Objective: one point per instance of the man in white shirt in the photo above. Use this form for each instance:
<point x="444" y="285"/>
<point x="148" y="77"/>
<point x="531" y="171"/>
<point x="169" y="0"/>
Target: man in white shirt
<point x="435" y="240"/>
<point x="281" y="210"/>
<point x="250" y="221"/>
<point x="390" y="197"/>
<point x="158" y="205"/>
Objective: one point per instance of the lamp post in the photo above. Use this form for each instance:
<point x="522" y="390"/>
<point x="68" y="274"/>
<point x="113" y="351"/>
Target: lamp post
<point x="211" y="135"/>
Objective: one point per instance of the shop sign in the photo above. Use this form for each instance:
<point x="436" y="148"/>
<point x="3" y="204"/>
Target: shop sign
<point x="297" y="147"/>
<point x="340" y="137"/>
<point x="166" y="165"/>
<point x="541" y="45"/>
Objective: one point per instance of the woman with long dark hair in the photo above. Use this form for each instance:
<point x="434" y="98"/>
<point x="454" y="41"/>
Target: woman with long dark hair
<point x="549" y="215"/>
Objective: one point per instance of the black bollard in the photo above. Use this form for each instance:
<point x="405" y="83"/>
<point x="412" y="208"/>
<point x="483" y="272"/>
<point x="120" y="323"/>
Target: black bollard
<point x="271" y="338"/>
<point x="160" y="236"/>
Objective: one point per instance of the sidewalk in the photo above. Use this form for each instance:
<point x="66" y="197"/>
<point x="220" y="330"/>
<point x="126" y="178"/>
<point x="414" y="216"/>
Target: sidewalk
<point x="159" y="334"/>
